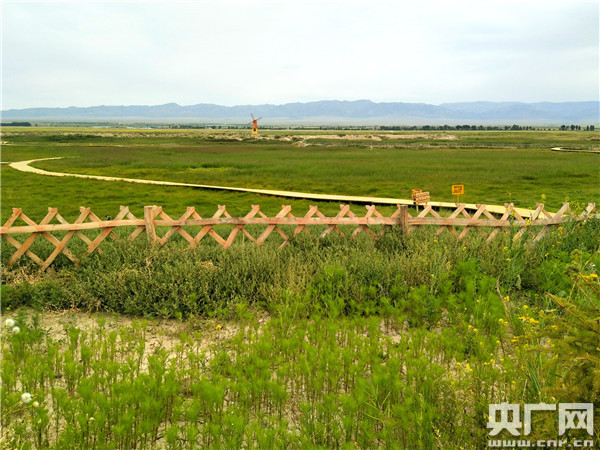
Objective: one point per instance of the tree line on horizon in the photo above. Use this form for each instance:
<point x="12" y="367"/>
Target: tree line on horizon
<point x="513" y="127"/>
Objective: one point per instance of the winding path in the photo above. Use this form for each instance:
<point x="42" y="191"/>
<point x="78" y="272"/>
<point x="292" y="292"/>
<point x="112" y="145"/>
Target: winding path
<point x="574" y="150"/>
<point x="24" y="166"/>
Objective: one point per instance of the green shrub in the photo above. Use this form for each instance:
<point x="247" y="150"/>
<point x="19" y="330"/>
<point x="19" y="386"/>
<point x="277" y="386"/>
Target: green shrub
<point x="351" y="275"/>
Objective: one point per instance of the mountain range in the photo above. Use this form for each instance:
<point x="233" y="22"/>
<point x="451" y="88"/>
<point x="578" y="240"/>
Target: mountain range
<point x="359" y="112"/>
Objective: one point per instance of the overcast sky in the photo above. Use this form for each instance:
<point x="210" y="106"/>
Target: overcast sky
<point x="59" y="54"/>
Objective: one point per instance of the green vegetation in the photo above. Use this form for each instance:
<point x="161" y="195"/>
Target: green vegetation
<point x="401" y="343"/>
<point x="174" y="281"/>
<point x="495" y="167"/>
<point x="327" y="343"/>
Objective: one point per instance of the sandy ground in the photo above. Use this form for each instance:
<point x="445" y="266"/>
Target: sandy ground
<point x="243" y="134"/>
<point x="380" y="137"/>
<point x="159" y="334"/>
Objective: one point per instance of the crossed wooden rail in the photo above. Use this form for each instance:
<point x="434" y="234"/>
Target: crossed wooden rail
<point x="155" y="217"/>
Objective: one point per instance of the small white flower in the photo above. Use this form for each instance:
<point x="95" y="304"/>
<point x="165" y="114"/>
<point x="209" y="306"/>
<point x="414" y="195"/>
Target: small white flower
<point x="35" y="404"/>
<point x="25" y="397"/>
<point x="16" y="330"/>
<point x="9" y="323"/>
<point x="91" y="419"/>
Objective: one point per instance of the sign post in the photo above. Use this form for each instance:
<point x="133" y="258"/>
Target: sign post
<point x="458" y="189"/>
<point x="420" y="198"/>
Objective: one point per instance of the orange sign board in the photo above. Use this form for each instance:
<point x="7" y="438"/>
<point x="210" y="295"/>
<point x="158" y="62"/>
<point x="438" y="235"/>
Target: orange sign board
<point x="458" y="189"/>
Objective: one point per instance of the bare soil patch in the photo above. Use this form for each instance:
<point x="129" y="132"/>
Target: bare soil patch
<point x="380" y="137"/>
<point x="159" y="334"/>
<point x="442" y="137"/>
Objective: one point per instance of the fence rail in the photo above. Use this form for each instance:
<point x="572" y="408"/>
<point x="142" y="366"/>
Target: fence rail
<point x="155" y="218"/>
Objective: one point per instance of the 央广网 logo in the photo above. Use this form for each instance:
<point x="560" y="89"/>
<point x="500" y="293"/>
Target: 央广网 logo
<point x="507" y="416"/>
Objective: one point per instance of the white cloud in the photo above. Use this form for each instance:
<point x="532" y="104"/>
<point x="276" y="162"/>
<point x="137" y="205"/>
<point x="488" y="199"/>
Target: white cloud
<point x="232" y="52"/>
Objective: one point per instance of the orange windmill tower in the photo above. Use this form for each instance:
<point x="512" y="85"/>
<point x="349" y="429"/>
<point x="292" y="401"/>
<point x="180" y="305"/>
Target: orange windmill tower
<point x="255" y="124"/>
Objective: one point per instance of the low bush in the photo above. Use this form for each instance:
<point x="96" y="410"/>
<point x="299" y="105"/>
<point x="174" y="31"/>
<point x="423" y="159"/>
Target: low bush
<point x="333" y="276"/>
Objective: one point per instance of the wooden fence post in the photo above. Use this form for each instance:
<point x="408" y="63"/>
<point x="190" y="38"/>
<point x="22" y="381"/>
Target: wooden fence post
<point x="403" y="218"/>
<point x="149" y="223"/>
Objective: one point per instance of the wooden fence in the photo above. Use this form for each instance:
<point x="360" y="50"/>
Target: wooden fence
<point x="459" y="222"/>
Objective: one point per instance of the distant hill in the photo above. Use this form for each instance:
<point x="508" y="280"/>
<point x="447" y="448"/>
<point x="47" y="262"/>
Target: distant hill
<point x="364" y="112"/>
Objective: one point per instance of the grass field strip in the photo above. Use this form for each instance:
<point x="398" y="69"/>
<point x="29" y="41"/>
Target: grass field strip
<point x="24" y="166"/>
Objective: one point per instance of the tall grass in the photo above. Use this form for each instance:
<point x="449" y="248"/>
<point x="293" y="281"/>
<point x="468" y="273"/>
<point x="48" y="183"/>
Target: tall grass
<point x="399" y="344"/>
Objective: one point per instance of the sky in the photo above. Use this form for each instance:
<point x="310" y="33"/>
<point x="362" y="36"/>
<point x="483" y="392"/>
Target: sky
<point x="60" y="54"/>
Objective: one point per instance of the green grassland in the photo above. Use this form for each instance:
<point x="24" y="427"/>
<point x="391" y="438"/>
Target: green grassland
<point x="332" y="342"/>
<point x="328" y="343"/>
<point x="495" y="167"/>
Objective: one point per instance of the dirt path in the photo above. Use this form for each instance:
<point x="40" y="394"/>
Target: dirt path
<point x="24" y="166"/>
